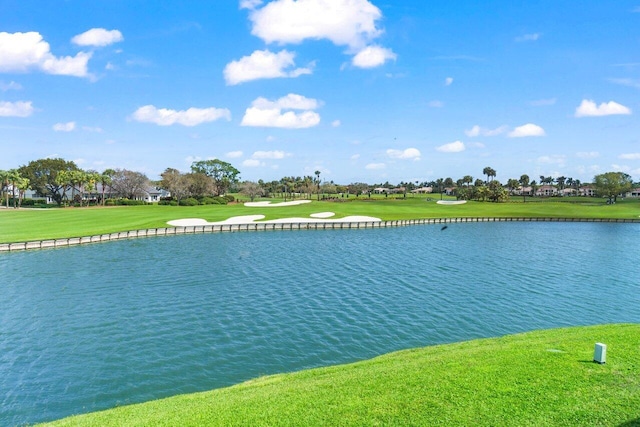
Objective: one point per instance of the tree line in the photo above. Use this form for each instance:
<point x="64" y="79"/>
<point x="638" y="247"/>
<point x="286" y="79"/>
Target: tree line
<point x="64" y="182"/>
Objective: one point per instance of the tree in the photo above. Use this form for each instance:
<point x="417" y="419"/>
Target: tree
<point x="317" y="173"/>
<point x="42" y="175"/>
<point x="175" y="183"/>
<point x="129" y="184"/>
<point x="251" y="189"/>
<point x="512" y="184"/>
<point x="221" y="173"/>
<point x="489" y="172"/>
<point x="105" y="181"/>
<point x="440" y="184"/>
<point x="612" y="184"/>
<point x="524" y="182"/>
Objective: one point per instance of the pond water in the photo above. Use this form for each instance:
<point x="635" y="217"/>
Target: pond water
<point x="92" y="327"/>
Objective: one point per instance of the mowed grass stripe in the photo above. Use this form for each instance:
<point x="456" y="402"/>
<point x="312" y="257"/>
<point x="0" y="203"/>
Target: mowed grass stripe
<point x="31" y="224"/>
<point x="541" y="378"/>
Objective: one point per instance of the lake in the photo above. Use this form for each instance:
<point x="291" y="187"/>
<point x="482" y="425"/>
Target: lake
<point x="91" y="327"/>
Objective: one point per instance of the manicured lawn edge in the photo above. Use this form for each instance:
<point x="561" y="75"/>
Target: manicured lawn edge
<point x="541" y="378"/>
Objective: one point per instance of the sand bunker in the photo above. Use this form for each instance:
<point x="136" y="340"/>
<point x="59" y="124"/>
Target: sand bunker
<point x="275" y="205"/>
<point x="451" y="202"/>
<point x="251" y="219"/>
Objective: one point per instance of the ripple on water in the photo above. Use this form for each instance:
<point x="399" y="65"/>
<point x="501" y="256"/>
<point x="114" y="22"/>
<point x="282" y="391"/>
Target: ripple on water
<point x="129" y="321"/>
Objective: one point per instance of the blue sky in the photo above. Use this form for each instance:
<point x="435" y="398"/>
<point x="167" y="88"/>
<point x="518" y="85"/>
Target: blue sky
<point x="361" y="90"/>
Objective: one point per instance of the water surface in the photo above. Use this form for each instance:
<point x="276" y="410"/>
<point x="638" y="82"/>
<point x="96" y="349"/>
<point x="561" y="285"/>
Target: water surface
<point x="92" y="327"/>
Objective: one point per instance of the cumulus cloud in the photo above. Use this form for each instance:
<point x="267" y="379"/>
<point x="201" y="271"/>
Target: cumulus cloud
<point x="630" y="156"/>
<point x="98" y="37"/>
<point x="64" y="127"/>
<point x="344" y="22"/>
<point x="252" y="163"/>
<point x="372" y="56"/>
<point x="190" y="117"/>
<point x="448" y="81"/>
<point x="479" y="131"/>
<point x="452" y="147"/>
<point x="266" y="113"/>
<point x="16" y="109"/>
<point x="527" y="130"/>
<point x="350" y="23"/>
<point x="409" y="153"/>
<point x="23" y="52"/>
<point x="234" y="154"/>
<point x="272" y="155"/>
<point x="263" y="64"/>
<point x="375" y="166"/>
<point x="588" y="108"/>
<point x="336" y="123"/>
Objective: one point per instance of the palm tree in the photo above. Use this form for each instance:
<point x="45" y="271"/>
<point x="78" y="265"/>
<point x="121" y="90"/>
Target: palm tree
<point x="317" y="173"/>
<point x="4" y="183"/>
<point x="467" y="179"/>
<point x="439" y="183"/>
<point x="524" y="181"/>
<point x="489" y="172"/>
<point x="105" y="180"/>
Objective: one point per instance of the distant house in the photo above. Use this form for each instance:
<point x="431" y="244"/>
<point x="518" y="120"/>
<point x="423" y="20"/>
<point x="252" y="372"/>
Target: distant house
<point x="450" y="191"/>
<point x="546" y="191"/>
<point x="588" y="191"/>
<point x="423" y="190"/>
<point x="154" y="194"/>
<point x="633" y="193"/>
<point x="523" y="191"/>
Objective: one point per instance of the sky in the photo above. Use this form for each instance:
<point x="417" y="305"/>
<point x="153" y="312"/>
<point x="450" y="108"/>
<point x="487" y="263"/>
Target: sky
<point x="360" y="90"/>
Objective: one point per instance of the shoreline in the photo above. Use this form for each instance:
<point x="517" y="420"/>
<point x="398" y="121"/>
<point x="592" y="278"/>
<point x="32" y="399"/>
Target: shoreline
<point x="281" y="226"/>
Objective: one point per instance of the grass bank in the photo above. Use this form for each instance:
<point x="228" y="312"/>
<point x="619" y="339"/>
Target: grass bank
<point x="541" y="378"/>
<point x="32" y="224"/>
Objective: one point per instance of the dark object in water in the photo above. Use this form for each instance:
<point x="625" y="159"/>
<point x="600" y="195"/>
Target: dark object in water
<point x="444" y="228"/>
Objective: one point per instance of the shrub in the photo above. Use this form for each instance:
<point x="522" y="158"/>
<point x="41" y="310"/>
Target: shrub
<point x="208" y="201"/>
<point x="189" y="201"/>
<point x="229" y="198"/>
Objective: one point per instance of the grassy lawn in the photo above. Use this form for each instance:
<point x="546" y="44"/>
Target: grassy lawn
<point x="541" y="378"/>
<point x="33" y="224"/>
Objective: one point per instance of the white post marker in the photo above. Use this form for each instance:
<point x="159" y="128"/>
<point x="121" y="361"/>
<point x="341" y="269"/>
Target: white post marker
<point x="600" y="353"/>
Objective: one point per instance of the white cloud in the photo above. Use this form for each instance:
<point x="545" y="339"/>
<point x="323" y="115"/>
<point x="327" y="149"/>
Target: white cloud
<point x="16" y="109"/>
<point x="234" y="154"/>
<point x="10" y="86"/>
<point x="409" y="153"/>
<point x="452" y="147"/>
<point x="344" y="22"/>
<point x="190" y="117"/>
<point x="479" y="131"/>
<point x="272" y="155"/>
<point x="252" y="163"/>
<point x="588" y="108"/>
<point x="630" y="156"/>
<point x="627" y="82"/>
<point x="375" y="166"/>
<point x="436" y="104"/>
<point x="64" y="127"/>
<point x="528" y="37"/>
<point x="98" y="37"/>
<point x="92" y="129"/>
<point x="448" y="81"/>
<point x="372" y="56"/>
<point x="355" y="157"/>
<point x="250" y="4"/>
<point x="22" y="52"/>
<point x="527" y="130"/>
<point x="588" y="154"/>
<point x="552" y="160"/>
<point x="336" y="123"/>
<point x="267" y="113"/>
<point x="262" y="64"/>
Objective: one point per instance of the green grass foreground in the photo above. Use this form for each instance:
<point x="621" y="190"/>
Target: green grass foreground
<point x="34" y="224"/>
<point x="541" y="378"/>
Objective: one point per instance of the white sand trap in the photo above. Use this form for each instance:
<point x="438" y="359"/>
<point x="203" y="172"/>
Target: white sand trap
<point x="275" y="205"/>
<point x="251" y="219"/>
<point x="451" y="202"/>
<point x="322" y="215"/>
